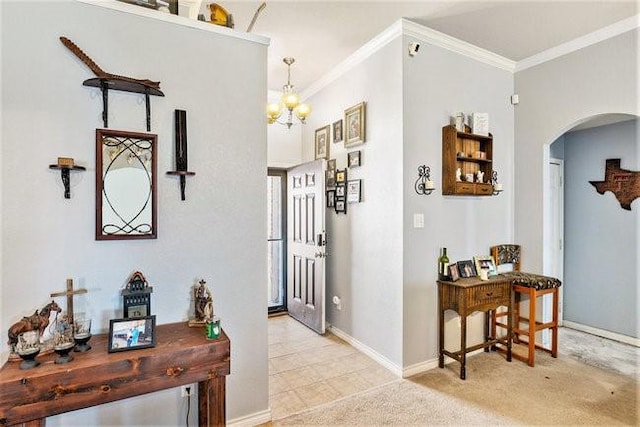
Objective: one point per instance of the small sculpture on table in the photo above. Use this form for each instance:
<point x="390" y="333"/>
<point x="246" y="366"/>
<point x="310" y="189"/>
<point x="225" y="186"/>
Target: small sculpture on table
<point x="203" y="303"/>
<point x="63" y="341"/>
<point x="38" y="321"/>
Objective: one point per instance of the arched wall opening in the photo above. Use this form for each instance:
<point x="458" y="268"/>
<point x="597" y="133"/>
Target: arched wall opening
<point x="598" y="240"/>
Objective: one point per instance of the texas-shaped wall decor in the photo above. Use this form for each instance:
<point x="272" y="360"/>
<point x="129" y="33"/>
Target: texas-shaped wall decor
<point x="624" y="184"/>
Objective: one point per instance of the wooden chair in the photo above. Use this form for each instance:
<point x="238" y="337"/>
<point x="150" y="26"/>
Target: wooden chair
<point x="534" y="286"/>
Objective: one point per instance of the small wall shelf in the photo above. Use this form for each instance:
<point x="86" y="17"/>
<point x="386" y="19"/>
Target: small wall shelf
<point x="65" y="175"/>
<point x="454" y="143"/>
<point x="183" y="180"/>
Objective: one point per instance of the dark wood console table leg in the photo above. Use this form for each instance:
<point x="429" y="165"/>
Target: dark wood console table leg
<point x="463" y="341"/>
<point x="212" y="402"/>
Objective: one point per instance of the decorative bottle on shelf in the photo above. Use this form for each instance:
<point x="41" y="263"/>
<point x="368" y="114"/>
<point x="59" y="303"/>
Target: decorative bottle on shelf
<point x="443" y="265"/>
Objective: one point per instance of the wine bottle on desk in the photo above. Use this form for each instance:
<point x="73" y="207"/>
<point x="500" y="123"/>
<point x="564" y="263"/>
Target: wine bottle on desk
<point x="443" y="265"/>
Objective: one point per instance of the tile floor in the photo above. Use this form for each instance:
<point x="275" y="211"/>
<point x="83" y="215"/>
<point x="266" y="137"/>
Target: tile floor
<point x="308" y="370"/>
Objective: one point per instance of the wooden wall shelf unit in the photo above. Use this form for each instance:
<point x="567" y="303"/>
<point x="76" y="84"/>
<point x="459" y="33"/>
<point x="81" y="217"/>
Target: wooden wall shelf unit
<point x="182" y="356"/>
<point x="470" y="145"/>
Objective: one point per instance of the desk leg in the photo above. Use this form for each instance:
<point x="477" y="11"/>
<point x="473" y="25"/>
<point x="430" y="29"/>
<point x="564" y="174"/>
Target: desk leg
<point x="211" y="402"/>
<point x="463" y="343"/>
<point x="440" y="332"/>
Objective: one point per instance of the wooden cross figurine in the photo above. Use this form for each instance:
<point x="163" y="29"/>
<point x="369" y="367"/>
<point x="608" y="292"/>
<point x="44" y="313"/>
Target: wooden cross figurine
<point x="69" y="293"/>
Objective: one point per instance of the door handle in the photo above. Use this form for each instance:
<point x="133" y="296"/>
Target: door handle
<point x="320" y="255"/>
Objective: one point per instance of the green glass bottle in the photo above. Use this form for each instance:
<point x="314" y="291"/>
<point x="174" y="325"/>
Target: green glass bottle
<point x="443" y="265"/>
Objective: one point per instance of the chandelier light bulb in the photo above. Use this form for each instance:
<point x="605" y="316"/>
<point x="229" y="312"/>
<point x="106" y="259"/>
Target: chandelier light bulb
<point x="290" y="101"/>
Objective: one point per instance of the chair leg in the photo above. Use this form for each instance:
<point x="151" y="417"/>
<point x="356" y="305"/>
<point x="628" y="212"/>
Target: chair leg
<point x="532" y="326"/>
<point x="516" y="316"/>
<point x="554" y="329"/>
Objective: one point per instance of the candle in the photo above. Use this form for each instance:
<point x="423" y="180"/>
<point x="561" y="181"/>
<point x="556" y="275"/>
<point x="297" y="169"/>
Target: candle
<point x="429" y="185"/>
<point x="497" y="187"/>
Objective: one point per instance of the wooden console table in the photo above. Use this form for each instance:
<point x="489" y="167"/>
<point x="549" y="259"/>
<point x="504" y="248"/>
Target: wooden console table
<point x="182" y="356"/>
<point x="465" y="296"/>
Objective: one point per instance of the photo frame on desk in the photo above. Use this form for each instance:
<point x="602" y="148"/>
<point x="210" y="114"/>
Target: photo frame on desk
<point x="453" y="272"/>
<point x="485" y="262"/>
<point x="132" y="334"/>
<point x="466" y="269"/>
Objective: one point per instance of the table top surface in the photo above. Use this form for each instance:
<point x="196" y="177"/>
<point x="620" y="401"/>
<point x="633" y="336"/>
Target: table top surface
<point x="173" y="337"/>
<point x="468" y="282"/>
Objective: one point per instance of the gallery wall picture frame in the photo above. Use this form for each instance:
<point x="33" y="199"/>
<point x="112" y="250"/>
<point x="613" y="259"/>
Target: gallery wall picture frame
<point x="341" y="206"/>
<point x="354" y="191"/>
<point x="466" y="269"/>
<point x="322" y="142"/>
<point x="331" y="177"/>
<point x="340" y="191"/>
<point x="132" y="333"/>
<point x="354" y="159"/>
<point x="355" y="125"/>
<point x="337" y="131"/>
<point x="331" y="164"/>
<point x="341" y="176"/>
<point x="485" y="262"/>
<point x="331" y="198"/>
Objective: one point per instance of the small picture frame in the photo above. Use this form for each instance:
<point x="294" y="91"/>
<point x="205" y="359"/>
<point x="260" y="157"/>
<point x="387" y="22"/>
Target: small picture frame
<point x="453" y="272"/>
<point x="331" y="177"/>
<point x="132" y="334"/>
<point x="354" y="159"/>
<point x="466" y="269"/>
<point x="354" y="123"/>
<point x="341" y="176"/>
<point x="331" y="164"/>
<point x="337" y="131"/>
<point x="331" y="198"/>
<point x="354" y="194"/>
<point x="322" y="142"/>
<point x="485" y="262"/>
<point x="340" y="191"/>
<point x="341" y="206"/>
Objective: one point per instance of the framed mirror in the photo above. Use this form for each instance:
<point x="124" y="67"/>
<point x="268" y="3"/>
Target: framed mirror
<point x="125" y="185"/>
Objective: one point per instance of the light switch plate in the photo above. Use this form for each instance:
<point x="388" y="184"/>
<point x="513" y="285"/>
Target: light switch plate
<point x="418" y="220"/>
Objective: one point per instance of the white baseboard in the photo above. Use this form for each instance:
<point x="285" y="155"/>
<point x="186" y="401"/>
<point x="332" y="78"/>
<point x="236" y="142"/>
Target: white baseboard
<point x="251" y="420"/>
<point x="395" y="369"/>
<point x="602" y="333"/>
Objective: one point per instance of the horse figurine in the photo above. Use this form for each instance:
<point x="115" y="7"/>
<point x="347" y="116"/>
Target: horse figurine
<point x="37" y="321"/>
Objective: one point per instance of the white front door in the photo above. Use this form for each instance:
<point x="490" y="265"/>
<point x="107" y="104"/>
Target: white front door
<point x="306" y="245"/>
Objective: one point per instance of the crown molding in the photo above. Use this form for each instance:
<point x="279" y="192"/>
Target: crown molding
<point x="175" y="19"/>
<point x="420" y="32"/>
<point x="437" y="38"/>
<point x="597" y="36"/>
<point x="354" y="59"/>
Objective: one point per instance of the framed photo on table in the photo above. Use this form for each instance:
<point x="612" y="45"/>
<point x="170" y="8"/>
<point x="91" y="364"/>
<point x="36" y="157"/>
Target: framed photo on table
<point x="322" y="142"/>
<point x="132" y="334"/>
<point x="486" y="263"/>
<point x="466" y="269"/>
<point x="453" y="272"/>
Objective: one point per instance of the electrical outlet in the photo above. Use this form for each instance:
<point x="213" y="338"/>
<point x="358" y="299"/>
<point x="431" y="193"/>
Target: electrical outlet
<point x="185" y="391"/>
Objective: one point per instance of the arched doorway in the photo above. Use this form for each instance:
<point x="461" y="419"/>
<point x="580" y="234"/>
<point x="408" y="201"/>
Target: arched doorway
<point x="599" y="240"/>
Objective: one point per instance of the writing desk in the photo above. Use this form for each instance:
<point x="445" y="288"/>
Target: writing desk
<point x="466" y="296"/>
<point x="182" y="356"/>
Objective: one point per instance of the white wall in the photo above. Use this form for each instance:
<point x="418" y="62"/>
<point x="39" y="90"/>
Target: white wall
<point x="601" y="248"/>
<point x="364" y="266"/>
<point x="218" y="233"/>
<point x="437" y="84"/>
<point x="554" y="96"/>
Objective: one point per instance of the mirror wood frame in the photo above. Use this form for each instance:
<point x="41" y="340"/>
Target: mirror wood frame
<point x="101" y="134"/>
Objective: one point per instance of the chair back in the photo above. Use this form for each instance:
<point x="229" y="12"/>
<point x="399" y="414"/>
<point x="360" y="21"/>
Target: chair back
<point x="506" y="254"/>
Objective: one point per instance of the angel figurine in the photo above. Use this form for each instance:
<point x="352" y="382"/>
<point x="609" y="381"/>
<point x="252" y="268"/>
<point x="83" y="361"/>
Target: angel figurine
<point x="480" y="176"/>
<point x="203" y="302"/>
<point x="458" y="174"/>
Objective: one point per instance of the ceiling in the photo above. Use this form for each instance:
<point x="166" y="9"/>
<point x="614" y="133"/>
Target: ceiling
<point x="321" y="34"/>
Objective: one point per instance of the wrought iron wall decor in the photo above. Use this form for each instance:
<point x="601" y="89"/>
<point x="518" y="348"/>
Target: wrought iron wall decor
<point x="106" y="81"/>
<point x="181" y="150"/>
<point x="125" y="185"/>
<point x="623" y="183"/>
<point x="424" y="186"/>
<point x="66" y="165"/>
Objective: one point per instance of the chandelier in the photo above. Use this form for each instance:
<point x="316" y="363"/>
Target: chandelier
<point x="290" y="102"/>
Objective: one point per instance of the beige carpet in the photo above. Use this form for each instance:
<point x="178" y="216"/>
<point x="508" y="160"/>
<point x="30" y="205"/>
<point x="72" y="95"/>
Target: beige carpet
<point x="559" y="391"/>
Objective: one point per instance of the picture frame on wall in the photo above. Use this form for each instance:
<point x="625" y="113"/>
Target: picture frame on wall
<point x="341" y="176"/>
<point x="331" y="177"/>
<point x="132" y="333"/>
<point x="354" y="159"/>
<point x="322" y="142"/>
<point x="337" y="131"/>
<point x="331" y="164"/>
<point x="354" y="194"/>
<point x="331" y="198"/>
<point x="354" y="124"/>
<point x="466" y="269"/>
<point x="341" y="206"/>
<point x="340" y="190"/>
